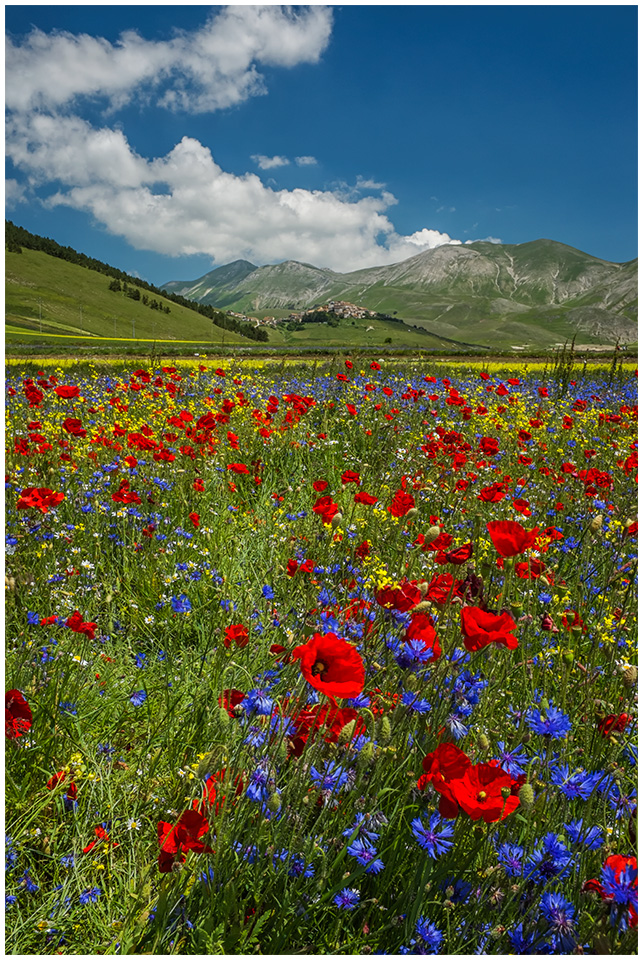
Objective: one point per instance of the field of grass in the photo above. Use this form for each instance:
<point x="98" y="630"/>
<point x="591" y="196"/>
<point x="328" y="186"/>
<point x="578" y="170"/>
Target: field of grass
<point x="327" y="657"/>
<point x="44" y="293"/>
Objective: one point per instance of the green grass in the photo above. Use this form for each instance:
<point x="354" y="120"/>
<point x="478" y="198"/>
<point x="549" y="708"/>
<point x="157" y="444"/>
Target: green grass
<point x="78" y="300"/>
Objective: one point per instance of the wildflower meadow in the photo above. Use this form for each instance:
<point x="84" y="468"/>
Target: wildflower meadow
<point x="320" y="657"/>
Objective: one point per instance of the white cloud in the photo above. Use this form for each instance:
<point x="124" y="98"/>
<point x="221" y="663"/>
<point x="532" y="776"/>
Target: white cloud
<point x="14" y="192"/>
<point x="208" y="69"/>
<point x="184" y="202"/>
<point x="485" y="240"/>
<point x="267" y="163"/>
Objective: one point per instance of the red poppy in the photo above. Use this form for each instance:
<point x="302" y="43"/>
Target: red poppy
<point x="238" y="468"/>
<point x="325" y="508"/>
<point x="74" y="426"/>
<point x="41" y="498"/>
<point x="237" y="633"/>
<point x="229" y="699"/>
<point x="489" y="446"/>
<point x="421" y="628"/>
<point x="613" y="723"/>
<point x="198" y="485"/>
<point x="17" y="714"/>
<point x="457" y="556"/>
<point x="326" y="718"/>
<point x="530" y="570"/>
<point x="480" y="792"/>
<point x="67" y="392"/>
<point x="510" y="538"/>
<point x="619" y="865"/>
<point x="331" y="665"/>
<point x="402" y="503"/>
<point x="492" y="494"/>
<point x="443" y="588"/>
<point x="320" y="485"/>
<point x="364" y="497"/>
<point x="185" y="835"/>
<point x="401" y="598"/>
<point x="349" y="476"/>
<point x="101" y="835"/>
<point x="75" y="623"/>
<point x="375" y="365"/>
<point x="194" y="517"/>
<point x="479" y="629"/>
<point x="124" y="494"/>
<point x="445" y="765"/>
<point x="363" y="549"/>
<point x="212" y="798"/>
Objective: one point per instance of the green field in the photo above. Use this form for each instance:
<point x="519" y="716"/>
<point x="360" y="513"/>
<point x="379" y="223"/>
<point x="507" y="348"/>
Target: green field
<point x="47" y="298"/>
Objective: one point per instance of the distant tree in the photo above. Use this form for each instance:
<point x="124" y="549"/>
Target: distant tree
<point x="115" y="285"/>
<point x="14" y="247"/>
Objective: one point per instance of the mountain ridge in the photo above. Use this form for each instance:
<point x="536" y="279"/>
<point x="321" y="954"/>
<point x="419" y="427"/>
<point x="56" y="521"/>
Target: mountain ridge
<point x="540" y="281"/>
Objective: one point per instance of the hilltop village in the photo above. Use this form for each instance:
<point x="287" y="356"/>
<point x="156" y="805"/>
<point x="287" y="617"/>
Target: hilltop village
<point x="319" y="313"/>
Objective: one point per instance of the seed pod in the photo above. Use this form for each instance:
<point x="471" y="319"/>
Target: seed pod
<point x="337" y="519"/>
<point x="596" y="523"/>
<point x="274" y="802"/>
<point x="629" y="676"/>
<point x="432" y="534"/>
<point x="346" y="733"/>
<point x="526" y="795"/>
<point x="412" y="513"/>
<point x="384" y="730"/>
<point x="483" y="741"/>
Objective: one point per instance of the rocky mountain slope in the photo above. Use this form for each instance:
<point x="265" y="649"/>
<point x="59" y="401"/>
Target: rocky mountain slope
<point x="484" y="287"/>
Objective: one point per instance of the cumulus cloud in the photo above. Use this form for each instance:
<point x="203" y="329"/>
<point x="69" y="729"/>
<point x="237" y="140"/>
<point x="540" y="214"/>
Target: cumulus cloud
<point x="485" y="240"/>
<point x="207" y="69"/>
<point x="184" y="202"/>
<point x="14" y="192"/>
<point x="267" y="163"/>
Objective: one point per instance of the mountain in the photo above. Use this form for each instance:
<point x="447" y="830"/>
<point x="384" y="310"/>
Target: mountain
<point x="533" y="293"/>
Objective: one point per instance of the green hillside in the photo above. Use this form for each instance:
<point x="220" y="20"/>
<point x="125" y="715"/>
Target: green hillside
<point x="76" y="302"/>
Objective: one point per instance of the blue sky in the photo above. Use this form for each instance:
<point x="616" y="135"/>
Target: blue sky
<point x="167" y="140"/>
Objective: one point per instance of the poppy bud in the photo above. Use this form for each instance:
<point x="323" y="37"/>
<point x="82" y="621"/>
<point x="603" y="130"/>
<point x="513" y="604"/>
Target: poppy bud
<point x="274" y="803"/>
<point x="346" y="733"/>
<point x="365" y="754"/>
<point x="337" y="519"/>
<point x="596" y="523"/>
<point x="516" y="607"/>
<point x="506" y="792"/>
<point x="385" y="730"/>
<point x="412" y="513"/>
<point x="526" y="795"/>
<point x="568" y="657"/>
<point x="629" y="676"/>
<point x="483" y="741"/>
<point x="431" y="534"/>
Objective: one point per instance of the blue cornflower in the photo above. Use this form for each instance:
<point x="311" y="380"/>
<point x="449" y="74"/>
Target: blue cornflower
<point x="631" y="753"/>
<point x="579" y="784"/>
<point x="332" y="777"/>
<point x="140" y="660"/>
<point x="90" y="895"/>
<point x="434" y="836"/>
<point x="68" y="707"/>
<point x="460" y="889"/>
<point x="257" y="788"/>
<point x="365" y="853"/>
<point x="621" y="887"/>
<point x="549" y="723"/>
<point x="553" y="859"/>
<point x="299" y="868"/>
<point x="524" y="942"/>
<point x="430" y="935"/>
<point x="592" y="837"/>
<point x="255" y="737"/>
<point x="621" y="803"/>
<point x="363" y="700"/>
<point x="457" y="728"/>
<point x="258" y="701"/>
<point x="9" y="900"/>
<point x="32" y="618"/>
<point x="416" y="703"/>
<point x="28" y="884"/>
<point x="559" y="914"/>
<point x="512" y="761"/>
<point x="181" y="604"/>
<point x="413" y="653"/>
<point x="138" y="698"/>
<point x="363" y="823"/>
<point x="67" y="860"/>
<point x="11" y="854"/>
<point x="104" y="750"/>
<point x="510" y="856"/>
<point x="267" y="592"/>
<point x="346" y="899"/>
